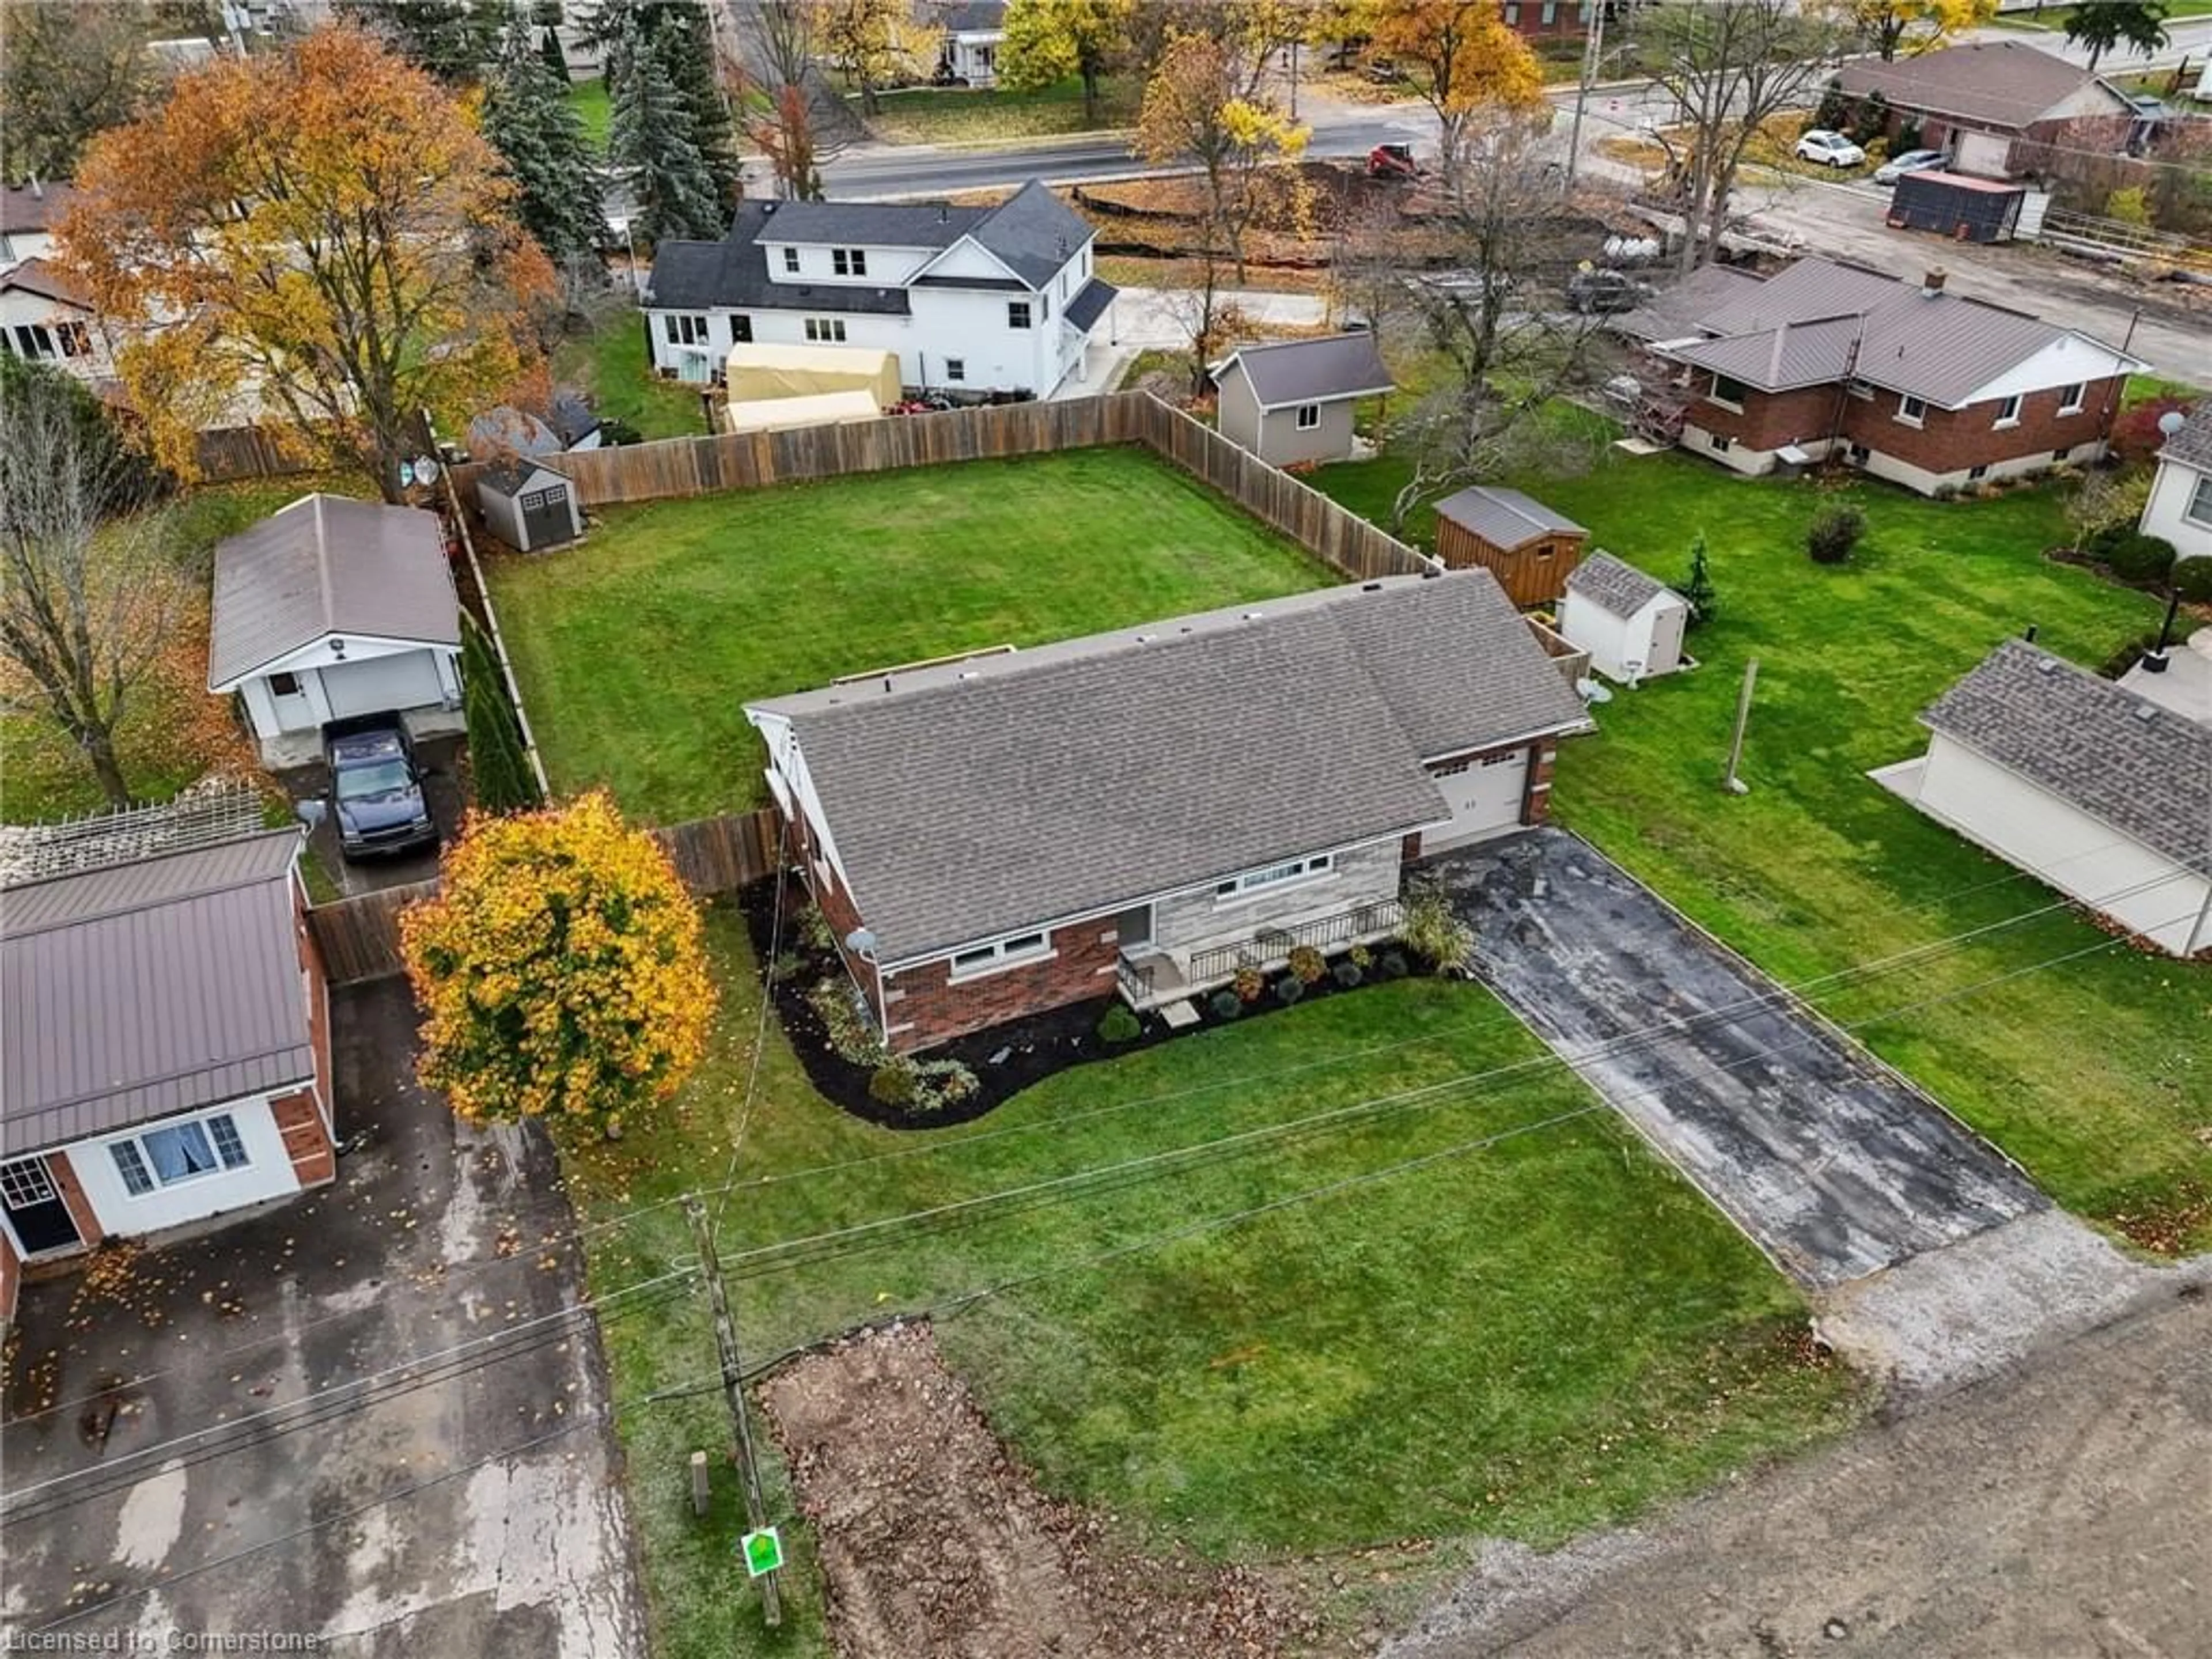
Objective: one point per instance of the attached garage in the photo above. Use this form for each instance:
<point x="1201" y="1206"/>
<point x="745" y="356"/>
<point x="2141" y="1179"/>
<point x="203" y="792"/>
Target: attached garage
<point x="1487" y="795"/>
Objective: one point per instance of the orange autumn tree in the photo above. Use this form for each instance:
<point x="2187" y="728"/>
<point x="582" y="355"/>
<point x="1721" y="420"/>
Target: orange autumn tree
<point x="317" y="238"/>
<point x="558" y="969"/>
<point x="1464" y="58"/>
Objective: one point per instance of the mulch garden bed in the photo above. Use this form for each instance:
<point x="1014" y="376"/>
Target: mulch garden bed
<point x="1005" y="1058"/>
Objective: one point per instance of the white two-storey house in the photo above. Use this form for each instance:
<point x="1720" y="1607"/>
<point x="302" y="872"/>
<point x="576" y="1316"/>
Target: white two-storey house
<point x="973" y="300"/>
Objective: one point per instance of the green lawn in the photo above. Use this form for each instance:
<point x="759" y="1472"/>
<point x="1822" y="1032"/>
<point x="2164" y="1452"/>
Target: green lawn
<point x="2095" y="1073"/>
<point x="1522" y="1340"/>
<point x="589" y="100"/>
<point x="610" y="364"/>
<point x="963" y="115"/>
<point x="636" y="649"/>
<point x="2057" y="17"/>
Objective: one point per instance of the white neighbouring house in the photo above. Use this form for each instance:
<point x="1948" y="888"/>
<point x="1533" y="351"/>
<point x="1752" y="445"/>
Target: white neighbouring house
<point x="2180" y="505"/>
<point x="972" y="300"/>
<point x="1631" y="625"/>
<point x="332" y="608"/>
<point x="2099" y="792"/>
<point x="45" y="317"/>
<point x="974" y="30"/>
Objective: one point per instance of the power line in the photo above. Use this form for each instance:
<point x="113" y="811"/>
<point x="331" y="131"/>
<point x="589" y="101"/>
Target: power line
<point x="759" y="1035"/>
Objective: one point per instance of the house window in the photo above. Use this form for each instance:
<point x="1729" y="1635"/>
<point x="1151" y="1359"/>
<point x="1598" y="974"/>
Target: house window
<point x="1858" y="454"/>
<point x="2199" y="510"/>
<point x="26" y="1182"/>
<point x="999" y="953"/>
<point x="1017" y="314"/>
<point x="684" y="331"/>
<point x="956" y="368"/>
<point x="75" y="339"/>
<point x="2070" y="398"/>
<point x="34" y="340"/>
<point x="1503" y="757"/>
<point x="2008" y="411"/>
<point x="826" y="330"/>
<point x="1512" y="14"/>
<point x="1975" y="474"/>
<point x="284" y="683"/>
<point x="1861" y="389"/>
<point x="1911" y="410"/>
<point x="1551" y="13"/>
<point x="791" y="262"/>
<point x="848" y="261"/>
<point x="1728" y="393"/>
<point x="177" y="1153"/>
<point x="1274" y="875"/>
<point x="741" y="330"/>
<point x="1309" y="416"/>
<point x="1721" y="443"/>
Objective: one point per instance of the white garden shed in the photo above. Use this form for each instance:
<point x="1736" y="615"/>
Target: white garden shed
<point x="1631" y="625"/>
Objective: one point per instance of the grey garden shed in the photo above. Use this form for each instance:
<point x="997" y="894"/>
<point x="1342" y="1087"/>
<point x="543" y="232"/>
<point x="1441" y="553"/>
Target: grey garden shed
<point x="528" y="504"/>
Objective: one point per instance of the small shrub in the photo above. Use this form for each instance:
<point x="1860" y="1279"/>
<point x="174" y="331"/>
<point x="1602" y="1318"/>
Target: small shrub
<point x="815" y="932"/>
<point x="938" y="1084"/>
<point x="1834" y="532"/>
<point x="1360" y="957"/>
<point x="2139" y="558"/>
<point x="2192" y="580"/>
<point x="845" y="1022"/>
<point x="1431" y="928"/>
<point x="1347" y="973"/>
<point x="2101" y="541"/>
<point x="1226" y="1004"/>
<point x="1289" y="989"/>
<point x="2130" y="206"/>
<point x="1391" y="965"/>
<point x="786" y="966"/>
<point x="1119" y="1024"/>
<point x="1249" y="984"/>
<point x="892" y="1085"/>
<point x="1308" y="964"/>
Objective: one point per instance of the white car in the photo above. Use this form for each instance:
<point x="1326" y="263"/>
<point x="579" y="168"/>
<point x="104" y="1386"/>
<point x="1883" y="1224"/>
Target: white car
<point x="1830" y="149"/>
<point x="1913" y="160"/>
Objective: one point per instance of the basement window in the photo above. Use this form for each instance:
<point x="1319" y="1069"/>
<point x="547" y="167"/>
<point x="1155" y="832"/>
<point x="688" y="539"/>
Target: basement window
<point x="1975" y="474"/>
<point x="1721" y="444"/>
<point x="1911" y="410"/>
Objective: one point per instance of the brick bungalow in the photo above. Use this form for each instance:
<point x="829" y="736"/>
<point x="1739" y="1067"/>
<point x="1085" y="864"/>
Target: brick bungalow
<point x="165" y="1048"/>
<point x="1998" y="108"/>
<point x="1911" y="382"/>
<point x="1138" y="812"/>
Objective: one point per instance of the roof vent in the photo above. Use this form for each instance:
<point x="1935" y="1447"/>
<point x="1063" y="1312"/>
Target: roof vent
<point x="1370" y="587"/>
<point x="2146" y="712"/>
<point x="1932" y="283"/>
<point x="767" y="207"/>
<point x="944" y="213"/>
<point x="1144" y="638"/>
<point x="967" y="673"/>
<point x="2048" y="666"/>
<point x="1254" y="615"/>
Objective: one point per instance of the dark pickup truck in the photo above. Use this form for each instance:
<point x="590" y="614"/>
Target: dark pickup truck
<point x="376" y="789"/>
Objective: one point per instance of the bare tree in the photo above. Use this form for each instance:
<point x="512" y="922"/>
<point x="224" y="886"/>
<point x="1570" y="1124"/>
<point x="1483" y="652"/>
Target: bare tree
<point x="1498" y="312"/>
<point x="772" y="76"/>
<point x="89" y="591"/>
<point x="1731" y="65"/>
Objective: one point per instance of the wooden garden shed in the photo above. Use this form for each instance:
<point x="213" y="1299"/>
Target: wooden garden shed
<point x="1531" y="549"/>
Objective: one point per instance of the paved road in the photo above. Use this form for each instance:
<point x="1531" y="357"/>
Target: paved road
<point x="2059" y="1510"/>
<point x="1834" y="1164"/>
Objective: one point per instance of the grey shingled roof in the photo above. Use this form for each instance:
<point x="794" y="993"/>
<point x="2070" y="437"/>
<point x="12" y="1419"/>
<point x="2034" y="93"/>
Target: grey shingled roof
<point x="2002" y="84"/>
<point x="147" y="989"/>
<point x="2192" y="445"/>
<point x="1033" y="232"/>
<point x="328" y="564"/>
<point x="969" y="17"/>
<point x="989" y="796"/>
<point x="511" y="477"/>
<point x="733" y="273"/>
<point x="866" y="224"/>
<point x="1504" y="518"/>
<point x="1614" y="585"/>
<point x="1335" y="366"/>
<point x="2090" y="743"/>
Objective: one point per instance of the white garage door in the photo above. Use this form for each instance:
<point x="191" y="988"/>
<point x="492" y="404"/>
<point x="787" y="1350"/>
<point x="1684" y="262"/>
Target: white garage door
<point x="379" y="685"/>
<point x="1485" y="798"/>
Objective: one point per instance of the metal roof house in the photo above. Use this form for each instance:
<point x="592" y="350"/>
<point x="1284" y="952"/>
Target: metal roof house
<point x="330" y="608"/>
<point x="1912" y="381"/>
<point x="2097" y="791"/>
<point x="1530" y="549"/>
<point x="1141" y="811"/>
<point x="164" y="1046"/>
<point x="973" y="299"/>
<point x="1292" y="401"/>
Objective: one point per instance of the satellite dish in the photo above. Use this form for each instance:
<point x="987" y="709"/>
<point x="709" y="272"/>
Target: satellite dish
<point x="1592" y="692"/>
<point x="426" y="470"/>
<point x="2171" y="421"/>
<point x="862" y="943"/>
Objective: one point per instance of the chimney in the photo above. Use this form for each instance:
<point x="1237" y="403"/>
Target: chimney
<point x="944" y="212"/>
<point x="1774" y="359"/>
<point x="37" y="190"/>
<point x="1932" y="283"/>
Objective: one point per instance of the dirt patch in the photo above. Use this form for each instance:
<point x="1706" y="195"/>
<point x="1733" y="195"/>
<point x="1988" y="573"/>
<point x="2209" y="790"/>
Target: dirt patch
<point x="934" y="1544"/>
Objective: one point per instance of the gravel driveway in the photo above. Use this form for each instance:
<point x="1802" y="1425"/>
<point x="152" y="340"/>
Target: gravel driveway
<point x="1832" y="1163"/>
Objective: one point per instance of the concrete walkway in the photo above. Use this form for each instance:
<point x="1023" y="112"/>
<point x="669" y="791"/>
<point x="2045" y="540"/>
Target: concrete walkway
<point x="1152" y="320"/>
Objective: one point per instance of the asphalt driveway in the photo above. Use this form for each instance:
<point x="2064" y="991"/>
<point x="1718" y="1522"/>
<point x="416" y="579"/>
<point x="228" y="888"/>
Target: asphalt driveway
<point x="1835" y="1164"/>
<point x="372" y="1414"/>
<point x="441" y="758"/>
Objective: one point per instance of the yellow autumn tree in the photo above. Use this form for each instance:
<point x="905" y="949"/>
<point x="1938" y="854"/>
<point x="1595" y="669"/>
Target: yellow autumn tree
<point x="1462" y="58"/>
<point x="558" y="969"/>
<point x="1913" y="25"/>
<point x="316" y="239"/>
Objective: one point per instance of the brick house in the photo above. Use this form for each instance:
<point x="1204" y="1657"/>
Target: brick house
<point x="1548" y="20"/>
<point x="1010" y="831"/>
<point x="1911" y="382"/>
<point x="1997" y="108"/>
<point x="165" y="1048"/>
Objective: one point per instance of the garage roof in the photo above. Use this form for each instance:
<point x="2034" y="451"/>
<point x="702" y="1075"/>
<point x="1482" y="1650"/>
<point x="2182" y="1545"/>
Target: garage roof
<point x="325" y="565"/>
<point x="142" y="990"/>
<point x="2145" y="770"/>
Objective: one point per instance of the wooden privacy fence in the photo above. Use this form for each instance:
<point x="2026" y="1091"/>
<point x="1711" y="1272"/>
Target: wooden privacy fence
<point x="699" y="466"/>
<point x="358" y="936"/>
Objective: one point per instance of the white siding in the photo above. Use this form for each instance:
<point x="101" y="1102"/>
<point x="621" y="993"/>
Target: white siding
<point x="268" y="1175"/>
<point x="1647" y="640"/>
<point x="2068" y="362"/>
<point x="887" y="267"/>
<point x="18" y="307"/>
<point x="2166" y="514"/>
<point x="2057" y="843"/>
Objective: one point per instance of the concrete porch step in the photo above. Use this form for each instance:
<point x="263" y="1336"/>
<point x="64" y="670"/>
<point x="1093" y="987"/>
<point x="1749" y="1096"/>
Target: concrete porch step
<point x="1180" y="1016"/>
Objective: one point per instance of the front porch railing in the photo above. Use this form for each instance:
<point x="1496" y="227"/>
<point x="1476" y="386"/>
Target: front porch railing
<point x="1270" y="946"/>
<point x="1136" y="982"/>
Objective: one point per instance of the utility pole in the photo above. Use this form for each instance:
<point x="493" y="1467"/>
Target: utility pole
<point x="1733" y="784"/>
<point x="1593" y="49"/>
<point x="733" y="1390"/>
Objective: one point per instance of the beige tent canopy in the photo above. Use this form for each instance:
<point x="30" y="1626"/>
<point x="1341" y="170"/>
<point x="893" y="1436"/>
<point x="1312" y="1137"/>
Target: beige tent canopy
<point x="813" y="408"/>
<point x="760" y="372"/>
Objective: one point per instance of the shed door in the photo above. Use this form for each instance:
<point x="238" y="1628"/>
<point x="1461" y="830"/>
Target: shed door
<point x="1485" y="798"/>
<point x="1666" y="626"/>
<point x="36" y="1211"/>
<point x="382" y="685"/>
<point x="545" y="519"/>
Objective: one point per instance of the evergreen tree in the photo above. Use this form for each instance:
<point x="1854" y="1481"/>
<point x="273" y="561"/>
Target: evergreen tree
<point x="1704" y="605"/>
<point x="556" y="61"/>
<point x="454" y="40"/>
<point x="650" y="134"/>
<point x="685" y="39"/>
<point x="497" y="763"/>
<point x="540" y="136"/>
